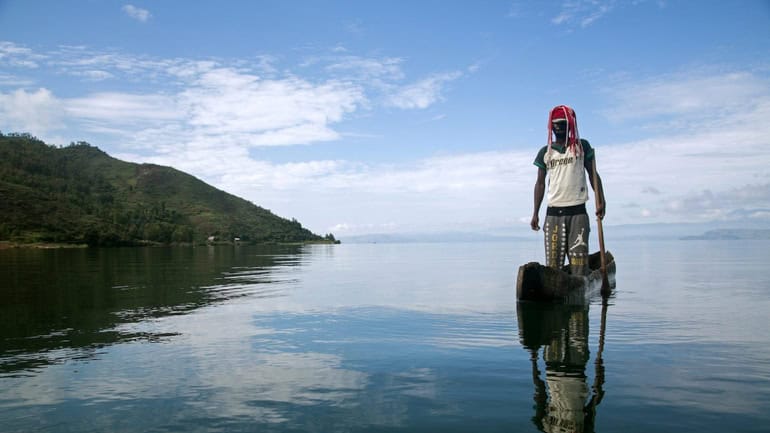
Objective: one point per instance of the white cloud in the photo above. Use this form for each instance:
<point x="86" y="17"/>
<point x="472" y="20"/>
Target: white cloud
<point x="95" y="75"/>
<point x="38" y="111"/>
<point x="441" y="176"/>
<point x="583" y="12"/>
<point x="354" y="197"/>
<point x="122" y="108"/>
<point x="693" y="98"/>
<point x="13" y="55"/>
<point x="14" y="81"/>
<point x="346" y="229"/>
<point x="203" y="98"/>
<point x="515" y="9"/>
<point x="276" y="112"/>
<point x="693" y="132"/>
<point x="678" y="175"/>
<point x="81" y="62"/>
<point x="711" y="142"/>
<point x="423" y="93"/>
<point x="136" y="13"/>
<point x="363" y="68"/>
<point x="212" y="102"/>
<point x="717" y="203"/>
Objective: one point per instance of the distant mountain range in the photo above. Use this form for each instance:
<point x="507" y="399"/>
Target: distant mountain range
<point x="433" y="237"/>
<point x="673" y="231"/>
<point x="80" y="195"/>
<point x="731" y="234"/>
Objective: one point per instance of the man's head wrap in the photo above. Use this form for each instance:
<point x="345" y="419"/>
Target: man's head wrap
<point x="565" y="114"/>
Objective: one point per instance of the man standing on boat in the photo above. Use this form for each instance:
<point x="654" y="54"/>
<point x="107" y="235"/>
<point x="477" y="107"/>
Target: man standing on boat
<point x="566" y="159"/>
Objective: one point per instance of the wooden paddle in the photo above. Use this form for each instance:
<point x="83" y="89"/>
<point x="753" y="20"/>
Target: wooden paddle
<point x="605" y="278"/>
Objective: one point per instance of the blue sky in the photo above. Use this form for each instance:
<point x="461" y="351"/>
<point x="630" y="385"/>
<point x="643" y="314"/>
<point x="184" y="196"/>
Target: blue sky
<point x="407" y="116"/>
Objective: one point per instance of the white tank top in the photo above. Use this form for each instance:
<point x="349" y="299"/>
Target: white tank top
<point x="566" y="178"/>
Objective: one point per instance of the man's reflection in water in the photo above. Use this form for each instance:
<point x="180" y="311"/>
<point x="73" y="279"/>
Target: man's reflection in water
<point x="562" y="402"/>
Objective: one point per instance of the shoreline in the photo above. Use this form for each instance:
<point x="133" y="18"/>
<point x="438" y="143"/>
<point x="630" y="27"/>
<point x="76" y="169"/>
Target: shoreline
<point x="8" y="245"/>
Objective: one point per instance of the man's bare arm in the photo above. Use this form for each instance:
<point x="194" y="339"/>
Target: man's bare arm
<point x="539" y="194"/>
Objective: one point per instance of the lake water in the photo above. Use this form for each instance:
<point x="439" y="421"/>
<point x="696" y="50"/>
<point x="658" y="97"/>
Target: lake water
<point x="381" y="337"/>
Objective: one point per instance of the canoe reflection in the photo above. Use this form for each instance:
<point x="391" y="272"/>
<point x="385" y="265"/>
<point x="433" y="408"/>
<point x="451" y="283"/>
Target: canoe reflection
<point x="562" y="402"/>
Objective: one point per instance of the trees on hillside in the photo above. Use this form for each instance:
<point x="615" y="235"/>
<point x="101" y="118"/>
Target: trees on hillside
<point x="79" y="194"/>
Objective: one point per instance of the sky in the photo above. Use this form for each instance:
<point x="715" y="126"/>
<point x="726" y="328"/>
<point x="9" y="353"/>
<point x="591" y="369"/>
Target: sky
<point x="398" y="116"/>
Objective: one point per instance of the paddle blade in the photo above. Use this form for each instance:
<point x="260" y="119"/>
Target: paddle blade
<point x="606" y="289"/>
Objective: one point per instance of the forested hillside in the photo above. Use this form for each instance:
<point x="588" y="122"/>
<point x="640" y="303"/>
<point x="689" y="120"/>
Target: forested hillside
<point x="79" y="194"/>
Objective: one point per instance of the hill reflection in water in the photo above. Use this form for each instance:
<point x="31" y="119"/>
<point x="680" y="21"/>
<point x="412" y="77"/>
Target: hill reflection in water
<point x="62" y="304"/>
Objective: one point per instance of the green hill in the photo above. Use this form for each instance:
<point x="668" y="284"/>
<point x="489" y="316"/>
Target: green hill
<point x="78" y="194"/>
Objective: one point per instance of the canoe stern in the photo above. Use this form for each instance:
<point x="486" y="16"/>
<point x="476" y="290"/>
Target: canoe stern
<point x="536" y="282"/>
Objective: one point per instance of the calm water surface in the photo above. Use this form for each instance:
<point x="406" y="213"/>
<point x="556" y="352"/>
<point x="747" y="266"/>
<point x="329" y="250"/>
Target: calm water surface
<point x="380" y="337"/>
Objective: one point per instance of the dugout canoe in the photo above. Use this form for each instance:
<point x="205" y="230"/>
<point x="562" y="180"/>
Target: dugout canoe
<point x="537" y="282"/>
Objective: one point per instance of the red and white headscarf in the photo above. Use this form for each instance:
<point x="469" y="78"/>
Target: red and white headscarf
<point x="573" y="138"/>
